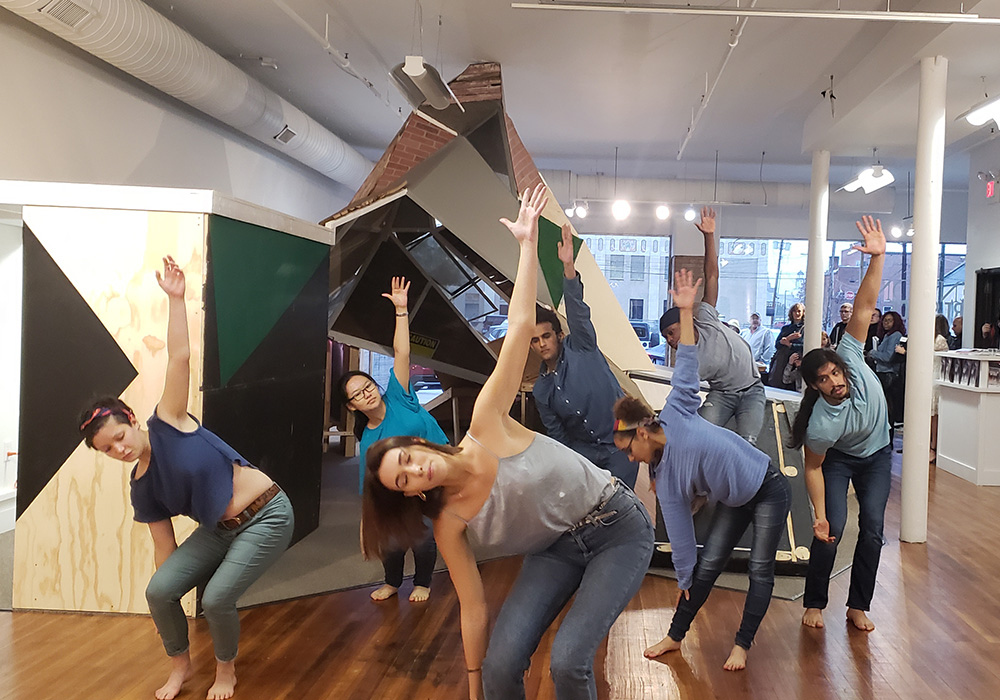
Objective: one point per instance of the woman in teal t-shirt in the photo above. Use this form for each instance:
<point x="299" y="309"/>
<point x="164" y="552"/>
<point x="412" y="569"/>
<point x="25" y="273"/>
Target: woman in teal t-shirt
<point x="397" y="412"/>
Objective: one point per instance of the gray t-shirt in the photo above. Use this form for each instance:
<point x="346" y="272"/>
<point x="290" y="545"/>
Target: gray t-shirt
<point x="724" y="358"/>
<point x="537" y="496"/>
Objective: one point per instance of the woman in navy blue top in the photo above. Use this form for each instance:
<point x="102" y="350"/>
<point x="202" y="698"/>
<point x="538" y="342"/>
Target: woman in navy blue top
<point x="696" y="460"/>
<point x="245" y="520"/>
<point x="397" y="412"/>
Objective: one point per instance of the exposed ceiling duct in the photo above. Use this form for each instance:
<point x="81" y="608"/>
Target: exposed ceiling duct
<point x="134" y="38"/>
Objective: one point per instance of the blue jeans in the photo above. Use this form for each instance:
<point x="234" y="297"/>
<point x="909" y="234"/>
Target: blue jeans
<point x="746" y="406"/>
<point x="872" y="477"/>
<point x="225" y="562"/>
<point x="602" y="560"/>
<point x="768" y="511"/>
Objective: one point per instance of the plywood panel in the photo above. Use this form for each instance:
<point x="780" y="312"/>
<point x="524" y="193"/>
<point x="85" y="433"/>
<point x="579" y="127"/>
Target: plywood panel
<point x="76" y="546"/>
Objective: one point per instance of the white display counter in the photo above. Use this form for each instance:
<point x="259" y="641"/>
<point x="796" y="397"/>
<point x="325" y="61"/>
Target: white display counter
<point x="969" y="415"/>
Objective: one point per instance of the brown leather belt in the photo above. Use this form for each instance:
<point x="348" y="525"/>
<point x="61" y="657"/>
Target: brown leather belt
<point x="251" y="510"/>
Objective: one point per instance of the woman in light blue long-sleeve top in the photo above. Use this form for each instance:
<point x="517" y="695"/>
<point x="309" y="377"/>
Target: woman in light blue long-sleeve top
<point x="695" y="459"/>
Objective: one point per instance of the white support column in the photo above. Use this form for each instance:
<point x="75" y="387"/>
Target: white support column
<point x="819" y="217"/>
<point x="923" y="302"/>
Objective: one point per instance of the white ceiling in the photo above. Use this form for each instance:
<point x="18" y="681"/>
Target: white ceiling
<point x="580" y="84"/>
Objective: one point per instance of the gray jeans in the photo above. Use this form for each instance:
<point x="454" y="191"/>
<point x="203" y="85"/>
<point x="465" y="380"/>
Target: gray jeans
<point x="746" y="406"/>
<point x="225" y="562"/>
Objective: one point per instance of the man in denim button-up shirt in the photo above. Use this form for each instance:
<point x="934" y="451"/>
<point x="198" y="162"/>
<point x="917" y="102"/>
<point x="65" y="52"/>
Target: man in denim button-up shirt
<point x="576" y="389"/>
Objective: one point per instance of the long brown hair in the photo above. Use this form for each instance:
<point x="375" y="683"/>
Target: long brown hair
<point x="391" y="520"/>
<point x="941" y="327"/>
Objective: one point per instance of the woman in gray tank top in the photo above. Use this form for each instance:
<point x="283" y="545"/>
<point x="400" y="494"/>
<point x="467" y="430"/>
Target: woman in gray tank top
<point x="582" y="532"/>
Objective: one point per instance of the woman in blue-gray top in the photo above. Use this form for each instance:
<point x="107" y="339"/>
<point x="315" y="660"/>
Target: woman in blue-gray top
<point x="583" y="532"/>
<point x="695" y="459"/>
<point x="397" y="412"/>
<point x="843" y="428"/>
<point x="244" y="519"/>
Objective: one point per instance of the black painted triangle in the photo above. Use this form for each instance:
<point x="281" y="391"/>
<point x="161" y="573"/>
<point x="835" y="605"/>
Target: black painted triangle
<point x="67" y="359"/>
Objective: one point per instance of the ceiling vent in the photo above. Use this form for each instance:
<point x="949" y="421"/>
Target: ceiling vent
<point x="285" y="135"/>
<point x="68" y="12"/>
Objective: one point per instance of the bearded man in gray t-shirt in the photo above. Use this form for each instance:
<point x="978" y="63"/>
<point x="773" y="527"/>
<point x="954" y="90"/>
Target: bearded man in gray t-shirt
<point x="724" y="358"/>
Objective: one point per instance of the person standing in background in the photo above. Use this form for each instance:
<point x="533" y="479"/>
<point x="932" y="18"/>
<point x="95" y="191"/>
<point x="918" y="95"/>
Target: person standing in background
<point x="759" y="340"/>
<point x="846" y="310"/>
<point x="956" y="326"/>
<point x="941" y="336"/>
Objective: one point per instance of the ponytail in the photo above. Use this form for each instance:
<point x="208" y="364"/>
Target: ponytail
<point x="798" y="435"/>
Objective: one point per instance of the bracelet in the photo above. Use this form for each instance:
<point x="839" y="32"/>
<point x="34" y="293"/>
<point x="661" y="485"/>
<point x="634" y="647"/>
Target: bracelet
<point x="405" y="313"/>
<point x="474" y="670"/>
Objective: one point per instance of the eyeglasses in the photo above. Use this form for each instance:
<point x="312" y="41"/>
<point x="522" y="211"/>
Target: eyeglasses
<point x="628" y="447"/>
<point x="369" y="389"/>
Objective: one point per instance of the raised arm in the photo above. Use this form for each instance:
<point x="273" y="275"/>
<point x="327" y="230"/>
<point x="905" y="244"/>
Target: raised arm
<point x="581" y="328"/>
<point x="453" y="544"/>
<point x="684" y="396"/>
<point x="500" y="389"/>
<point x="173" y="404"/>
<point x="399" y="296"/>
<point x="867" y="297"/>
<point x="707" y="228"/>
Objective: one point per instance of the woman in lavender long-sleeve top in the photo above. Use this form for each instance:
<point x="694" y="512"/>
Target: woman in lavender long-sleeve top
<point x="695" y="459"/>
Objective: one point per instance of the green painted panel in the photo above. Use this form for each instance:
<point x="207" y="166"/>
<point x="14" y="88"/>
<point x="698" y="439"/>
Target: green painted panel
<point x="257" y="273"/>
<point x="549" y="236"/>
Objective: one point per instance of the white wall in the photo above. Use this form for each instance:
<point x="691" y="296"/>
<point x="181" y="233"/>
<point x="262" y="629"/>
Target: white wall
<point x="68" y="117"/>
<point x="10" y="357"/>
<point x="983" y="231"/>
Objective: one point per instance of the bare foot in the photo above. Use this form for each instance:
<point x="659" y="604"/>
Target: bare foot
<point x="420" y="594"/>
<point x="860" y="620"/>
<point x="180" y="672"/>
<point x="384" y="593"/>
<point x="662" y="647"/>
<point x="737" y="660"/>
<point x="225" y="681"/>
<point x="813" y="617"/>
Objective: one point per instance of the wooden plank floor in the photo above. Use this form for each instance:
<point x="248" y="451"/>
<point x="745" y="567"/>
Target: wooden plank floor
<point x="937" y="608"/>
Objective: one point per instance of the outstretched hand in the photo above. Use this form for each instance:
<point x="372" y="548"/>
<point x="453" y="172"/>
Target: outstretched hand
<point x="707" y="223"/>
<point x="565" y="246"/>
<point x="871" y="230"/>
<point x="525" y="228"/>
<point x="172" y="279"/>
<point x="399" y="294"/>
<point x="821" y="531"/>
<point x="685" y="289"/>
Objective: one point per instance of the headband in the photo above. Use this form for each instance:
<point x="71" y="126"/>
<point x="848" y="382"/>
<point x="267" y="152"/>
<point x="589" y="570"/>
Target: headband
<point x="102" y="411"/>
<point x="622" y="426"/>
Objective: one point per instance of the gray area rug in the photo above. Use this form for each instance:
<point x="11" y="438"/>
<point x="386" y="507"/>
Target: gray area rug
<point x="793" y="587"/>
